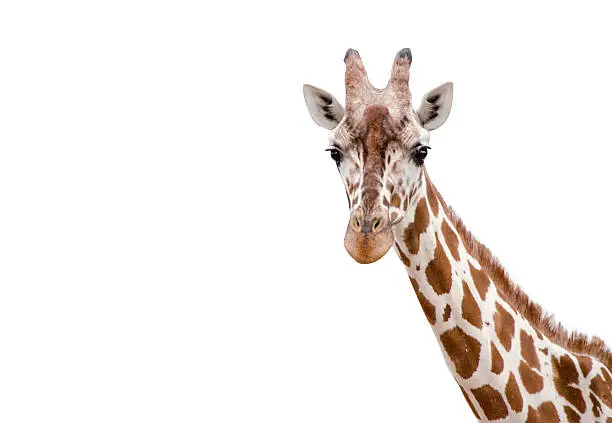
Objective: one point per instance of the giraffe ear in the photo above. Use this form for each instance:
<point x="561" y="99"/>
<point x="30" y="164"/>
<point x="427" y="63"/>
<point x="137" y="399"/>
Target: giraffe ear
<point x="436" y="106"/>
<point x="323" y="107"/>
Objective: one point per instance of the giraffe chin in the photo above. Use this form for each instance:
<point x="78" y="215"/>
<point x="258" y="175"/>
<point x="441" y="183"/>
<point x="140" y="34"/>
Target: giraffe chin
<point x="369" y="247"/>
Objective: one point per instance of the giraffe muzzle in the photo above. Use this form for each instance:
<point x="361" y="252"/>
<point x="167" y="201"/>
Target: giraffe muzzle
<point x="368" y="236"/>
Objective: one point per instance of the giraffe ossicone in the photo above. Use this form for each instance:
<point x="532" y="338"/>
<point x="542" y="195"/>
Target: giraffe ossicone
<point x="511" y="361"/>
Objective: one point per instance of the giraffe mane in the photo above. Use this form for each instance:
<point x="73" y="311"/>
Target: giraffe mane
<point x="541" y="320"/>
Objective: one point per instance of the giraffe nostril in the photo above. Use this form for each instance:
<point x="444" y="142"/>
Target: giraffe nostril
<point x="376" y="223"/>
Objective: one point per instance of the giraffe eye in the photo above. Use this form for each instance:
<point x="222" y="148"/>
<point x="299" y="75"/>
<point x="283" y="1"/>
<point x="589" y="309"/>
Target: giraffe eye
<point x="335" y="154"/>
<point x="419" y="154"/>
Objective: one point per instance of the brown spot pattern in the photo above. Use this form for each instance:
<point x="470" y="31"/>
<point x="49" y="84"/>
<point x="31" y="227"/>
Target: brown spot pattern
<point x="546" y="413"/>
<point x="585" y="363"/>
<point x="428" y="308"/>
<point x="447" y="313"/>
<point x="504" y="326"/>
<point x="596" y="405"/>
<point x="438" y="271"/>
<point x="564" y="375"/>
<point x="469" y="401"/>
<point x="451" y="240"/>
<point x="532" y="416"/>
<point x="433" y="200"/>
<point x="469" y="308"/>
<point x="463" y="350"/>
<point x="491" y="402"/>
<point x="572" y="416"/>
<point x="396" y="201"/>
<point x="528" y="350"/>
<point x="481" y="281"/>
<point x="414" y="283"/>
<point x="513" y="394"/>
<point x="518" y="300"/>
<point x="412" y="233"/>
<point x="403" y="257"/>
<point x="497" y="362"/>
<point x="602" y="389"/>
<point x="532" y="381"/>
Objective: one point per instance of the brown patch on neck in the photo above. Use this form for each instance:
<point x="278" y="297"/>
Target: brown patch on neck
<point x="428" y="308"/>
<point x="497" y="362"/>
<point x="469" y="401"/>
<point x="602" y="388"/>
<point x="596" y="405"/>
<point x="451" y="239"/>
<point x="491" y="402"/>
<point x="528" y="350"/>
<point x="469" y="308"/>
<point x="438" y="271"/>
<point x="546" y="413"/>
<point x="532" y="381"/>
<point x="565" y="374"/>
<point x="412" y="233"/>
<point x="504" y="326"/>
<point x="513" y="394"/>
<point x="463" y="350"/>
<point x="572" y="416"/>
<point x="431" y="195"/>
<point x="574" y="342"/>
<point x="481" y="280"/>
<point x="403" y="257"/>
<point x="586" y="364"/>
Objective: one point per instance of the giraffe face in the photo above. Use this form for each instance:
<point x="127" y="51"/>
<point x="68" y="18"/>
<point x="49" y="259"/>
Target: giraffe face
<point x="379" y="161"/>
<point x="379" y="144"/>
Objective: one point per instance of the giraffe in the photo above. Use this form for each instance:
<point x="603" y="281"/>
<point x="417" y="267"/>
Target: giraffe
<point x="512" y="362"/>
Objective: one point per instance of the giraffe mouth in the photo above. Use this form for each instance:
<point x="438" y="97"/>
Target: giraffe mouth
<point x="366" y="248"/>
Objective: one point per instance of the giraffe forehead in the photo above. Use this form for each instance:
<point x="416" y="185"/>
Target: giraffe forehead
<point x="378" y="130"/>
<point x="377" y="126"/>
<point x="375" y="142"/>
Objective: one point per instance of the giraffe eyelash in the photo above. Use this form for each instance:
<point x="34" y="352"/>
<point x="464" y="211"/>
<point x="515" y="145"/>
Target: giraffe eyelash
<point x="336" y="154"/>
<point x="419" y="153"/>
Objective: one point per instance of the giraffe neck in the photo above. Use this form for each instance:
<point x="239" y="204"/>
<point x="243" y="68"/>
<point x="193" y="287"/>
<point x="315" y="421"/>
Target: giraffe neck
<point x="504" y="366"/>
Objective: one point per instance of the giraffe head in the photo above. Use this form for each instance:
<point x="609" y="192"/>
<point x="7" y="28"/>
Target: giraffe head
<point x="379" y="143"/>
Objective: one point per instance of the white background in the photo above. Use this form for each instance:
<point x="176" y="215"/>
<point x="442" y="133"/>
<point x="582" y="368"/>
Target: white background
<point x="171" y="228"/>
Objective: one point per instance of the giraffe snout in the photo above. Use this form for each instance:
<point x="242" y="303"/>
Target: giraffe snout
<point x="368" y="236"/>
